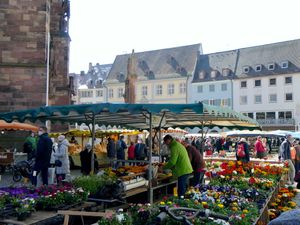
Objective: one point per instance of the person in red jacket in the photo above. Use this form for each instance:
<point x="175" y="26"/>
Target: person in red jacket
<point x="259" y="148"/>
<point x="131" y="153"/>
<point x="197" y="162"/>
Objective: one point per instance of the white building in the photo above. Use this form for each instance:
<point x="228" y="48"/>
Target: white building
<point x="260" y="81"/>
<point x="266" y="84"/>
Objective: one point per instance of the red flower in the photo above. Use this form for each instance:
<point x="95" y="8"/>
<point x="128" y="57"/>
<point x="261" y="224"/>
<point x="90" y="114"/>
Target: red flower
<point x="252" y="180"/>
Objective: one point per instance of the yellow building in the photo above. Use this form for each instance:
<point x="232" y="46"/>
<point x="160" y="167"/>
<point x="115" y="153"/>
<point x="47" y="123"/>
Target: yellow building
<point x="162" y="75"/>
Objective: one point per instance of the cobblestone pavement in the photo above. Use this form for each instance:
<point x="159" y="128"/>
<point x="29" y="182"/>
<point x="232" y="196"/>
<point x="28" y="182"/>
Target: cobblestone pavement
<point x="6" y="179"/>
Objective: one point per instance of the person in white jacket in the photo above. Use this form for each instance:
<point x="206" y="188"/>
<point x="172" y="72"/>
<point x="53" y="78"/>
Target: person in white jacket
<point x="62" y="155"/>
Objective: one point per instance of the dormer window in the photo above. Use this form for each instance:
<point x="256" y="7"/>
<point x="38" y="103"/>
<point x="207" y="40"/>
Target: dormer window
<point x="284" y="64"/>
<point x="258" y="68"/>
<point x="246" y="69"/>
<point x="271" y="66"/>
<point x="213" y="74"/>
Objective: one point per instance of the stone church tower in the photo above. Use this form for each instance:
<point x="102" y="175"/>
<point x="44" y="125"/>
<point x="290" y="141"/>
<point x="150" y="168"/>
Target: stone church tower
<point x="34" y="45"/>
<point x="130" y="82"/>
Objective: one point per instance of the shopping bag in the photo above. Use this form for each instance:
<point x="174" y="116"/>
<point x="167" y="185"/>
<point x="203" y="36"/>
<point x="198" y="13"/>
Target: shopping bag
<point x="297" y="177"/>
<point x="51" y="177"/>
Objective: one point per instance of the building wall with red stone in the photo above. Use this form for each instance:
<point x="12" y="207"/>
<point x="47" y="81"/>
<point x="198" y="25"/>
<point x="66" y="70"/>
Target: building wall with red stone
<point x="24" y="25"/>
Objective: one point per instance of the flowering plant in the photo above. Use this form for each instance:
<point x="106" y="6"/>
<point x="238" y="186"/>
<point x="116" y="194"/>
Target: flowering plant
<point x="26" y="205"/>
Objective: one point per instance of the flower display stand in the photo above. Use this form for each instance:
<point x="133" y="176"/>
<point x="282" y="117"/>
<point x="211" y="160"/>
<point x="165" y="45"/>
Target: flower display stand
<point x="263" y="218"/>
<point x="68" y="213"/>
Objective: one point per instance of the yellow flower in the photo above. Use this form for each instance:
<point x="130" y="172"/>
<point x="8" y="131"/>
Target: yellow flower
<point x="274" y="204"/>
<point x="234" y="208"/>
<point x="162" y="203"/>
<point x="245" y="211"/>
<point x="292" y="204"/>
<point x="221" y="206"/>
<point x="234" y="204"/>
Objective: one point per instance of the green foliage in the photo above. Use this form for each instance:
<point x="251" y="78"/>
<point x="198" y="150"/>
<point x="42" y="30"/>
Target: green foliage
<point x="93" y="183"/>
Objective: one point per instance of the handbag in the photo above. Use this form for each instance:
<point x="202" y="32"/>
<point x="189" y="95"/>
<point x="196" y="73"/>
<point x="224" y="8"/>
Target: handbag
<point x="58" y="163"/>
<point x="297" y="177"/>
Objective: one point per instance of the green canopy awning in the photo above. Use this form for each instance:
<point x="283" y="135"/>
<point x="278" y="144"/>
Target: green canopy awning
<point x="135" y="115"/>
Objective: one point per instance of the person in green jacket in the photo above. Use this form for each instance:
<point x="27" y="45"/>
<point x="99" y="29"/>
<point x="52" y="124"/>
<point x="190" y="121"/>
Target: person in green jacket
<point x="29" y="146"/>
<point x="179" y="163"/>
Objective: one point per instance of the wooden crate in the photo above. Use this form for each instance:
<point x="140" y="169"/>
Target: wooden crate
<point x="6" y="158"/>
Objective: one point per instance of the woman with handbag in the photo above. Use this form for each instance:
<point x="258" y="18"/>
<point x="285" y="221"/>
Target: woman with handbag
<point x="297" y="163"/>
<point x="62" y="163"/>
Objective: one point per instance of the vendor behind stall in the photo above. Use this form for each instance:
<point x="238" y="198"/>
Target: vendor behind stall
<point x="179" y="163"/>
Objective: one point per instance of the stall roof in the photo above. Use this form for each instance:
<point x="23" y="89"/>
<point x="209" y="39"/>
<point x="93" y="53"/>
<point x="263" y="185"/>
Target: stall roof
<point x="136" y="115"/>
<point x="17" y="126"/>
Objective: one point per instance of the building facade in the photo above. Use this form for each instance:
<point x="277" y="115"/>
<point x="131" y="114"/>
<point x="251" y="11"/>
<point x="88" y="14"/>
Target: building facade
<point x="212" y="81"/>
<point x="260" y="82"/>
<point x="89" y="86"/>
<point x="34" y="47"/>
<point x="162" y="75"/>
<point x="266" y="84"/>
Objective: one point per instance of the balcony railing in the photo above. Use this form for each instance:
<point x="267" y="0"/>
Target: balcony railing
<point x="276" y="121"/>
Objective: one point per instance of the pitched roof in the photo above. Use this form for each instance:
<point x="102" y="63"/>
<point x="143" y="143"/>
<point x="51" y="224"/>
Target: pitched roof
<point x="267" y="54"/>
<point x="215" y="62"/>
<point x="158" y="64"/>
<point x="236" y="60"/>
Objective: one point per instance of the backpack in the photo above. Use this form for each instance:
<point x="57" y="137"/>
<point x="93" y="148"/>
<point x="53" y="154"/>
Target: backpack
<point x="241" y="150"/>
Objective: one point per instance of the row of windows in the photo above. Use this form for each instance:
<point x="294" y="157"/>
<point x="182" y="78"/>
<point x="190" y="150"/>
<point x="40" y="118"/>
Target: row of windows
<point x="211" y="88"/>
<point x="90" y="94"/>
<point x="120" y="93"/>
<point x="218" y="102"/>
<point x="158" y="90"/>
<point x="270" y="66"/>
<point x="270" y="115"/>
<point x="170" y="90"/>
<point x="272" y="82"/>
<point x="272" y="98"/>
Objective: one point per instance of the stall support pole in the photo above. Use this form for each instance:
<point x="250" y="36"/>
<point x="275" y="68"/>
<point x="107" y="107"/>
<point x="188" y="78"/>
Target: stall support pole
<point x="93" y="143"/>
<point x="159" y="136"/>
<point x="150" y="161"/>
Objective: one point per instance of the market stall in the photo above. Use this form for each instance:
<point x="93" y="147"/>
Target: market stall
<point x="137" y="116"/>
<point x="9" y="156"/>
<point x="82" y="137"/>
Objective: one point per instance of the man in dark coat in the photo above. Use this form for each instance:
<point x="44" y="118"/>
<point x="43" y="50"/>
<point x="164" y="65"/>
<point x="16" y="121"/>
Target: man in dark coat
<point x="197" y="162"/>
<point x="43" y="155"/>
<point x="121" y="146"/>
<point x="140" y="150"/>
<point x="111" y="150"/>
<point x="86" y="158"/>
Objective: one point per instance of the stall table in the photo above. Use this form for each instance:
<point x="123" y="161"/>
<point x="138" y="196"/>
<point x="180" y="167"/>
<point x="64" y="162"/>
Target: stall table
<point x="255" y="160"/>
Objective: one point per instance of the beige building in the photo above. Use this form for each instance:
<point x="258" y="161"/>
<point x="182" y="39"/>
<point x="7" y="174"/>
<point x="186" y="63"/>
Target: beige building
<point x="162" y="75"/>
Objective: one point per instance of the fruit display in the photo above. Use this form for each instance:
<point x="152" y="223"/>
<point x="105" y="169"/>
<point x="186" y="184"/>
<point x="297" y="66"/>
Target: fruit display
<point x="74" y="149"/>
<point x="100" y="148"/>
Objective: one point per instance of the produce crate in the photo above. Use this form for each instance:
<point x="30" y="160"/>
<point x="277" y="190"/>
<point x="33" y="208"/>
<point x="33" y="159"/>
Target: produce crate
<point x="6" y="158"/>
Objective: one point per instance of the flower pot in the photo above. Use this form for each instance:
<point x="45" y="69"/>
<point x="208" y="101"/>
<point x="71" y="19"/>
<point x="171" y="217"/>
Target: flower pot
<point x="22" y="216"/>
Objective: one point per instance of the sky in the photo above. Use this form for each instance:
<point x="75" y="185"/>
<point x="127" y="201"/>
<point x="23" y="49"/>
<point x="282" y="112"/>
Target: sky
<point x="102" y="29"/>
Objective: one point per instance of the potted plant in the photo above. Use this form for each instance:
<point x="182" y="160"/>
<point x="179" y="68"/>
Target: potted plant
<point x="25" y="208"/>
